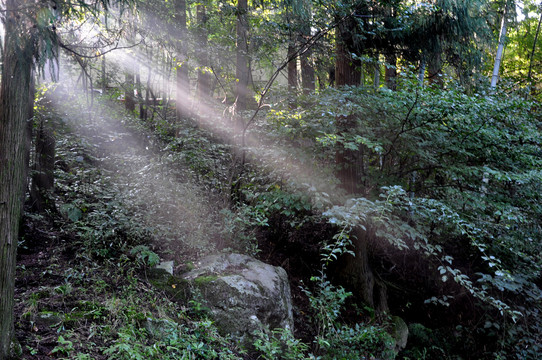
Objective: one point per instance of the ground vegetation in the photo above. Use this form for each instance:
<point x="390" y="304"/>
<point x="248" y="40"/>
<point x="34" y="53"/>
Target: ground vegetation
<point x="143" y="132"/>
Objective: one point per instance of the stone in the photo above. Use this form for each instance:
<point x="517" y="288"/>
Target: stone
<point x="242" y="294"/>
<point x="399" y="332"/>
<point x="167" y="266"/>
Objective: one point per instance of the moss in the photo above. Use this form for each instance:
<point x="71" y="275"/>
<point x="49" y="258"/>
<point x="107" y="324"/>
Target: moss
<point x="202" y="280"/>
<point x="176" y="287"/>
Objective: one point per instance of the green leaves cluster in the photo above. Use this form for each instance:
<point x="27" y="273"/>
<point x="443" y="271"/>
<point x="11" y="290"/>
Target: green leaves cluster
<point x="450" y="175"/>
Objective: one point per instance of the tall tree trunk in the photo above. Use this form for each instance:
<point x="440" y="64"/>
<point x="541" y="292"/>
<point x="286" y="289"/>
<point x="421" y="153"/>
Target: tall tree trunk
<point x="182" y="100"/>
<point x="104" y="76"/>
<point x="139" y="92"/>
<point x="14" y="99"/>
<point x="421" y="74"/>
<point x="391" y="71"/>
<point x="347" y="70"/>
<point x="129" y="101"/>
<point x="531" y="58"/>
<point x="292" y="68"/>
<point x="241" y="72"/>
<point x="308" y="81"/>
<point x="29" y="132"/>
<point x="376" y="75"/>
<point x="356" y="274"/>
<point x="292" y="73"/>
<point x="500" y="48"/>
<point x="43" y="169"/>
<point x="203" y="55"/>
<point x="356" y="271"/>
<point x="434" y="68"/>
<point x="147" y="94"/>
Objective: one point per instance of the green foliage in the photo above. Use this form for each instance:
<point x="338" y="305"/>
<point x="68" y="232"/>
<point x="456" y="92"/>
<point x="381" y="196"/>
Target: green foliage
<point x="144" y="256"/>
<point x="358" y="342"/>
<point x="172" y="341"/>
<point x="239" y="228"/>
<point x="423" y="343"/>
<point x="64" y="347"/>
<point x="279" y="344"/>
<point x="327" y="302"/>
<point x="440" y="168"/>
<point x="337" y="340"/>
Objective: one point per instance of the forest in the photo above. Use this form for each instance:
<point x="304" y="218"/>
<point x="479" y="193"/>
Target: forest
<point x="291" y="179"/>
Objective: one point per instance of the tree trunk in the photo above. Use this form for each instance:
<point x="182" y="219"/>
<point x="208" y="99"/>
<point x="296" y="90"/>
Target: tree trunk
<point x="391" y="71"/>
<point x="355" y="272"/>
<point x="241" y="72"/>
<point x="292" y="74"/>
<point x="376" y="75"/>
<point x="307" y="73"/>
<point x="434" y="68"/>
<point x="104" y="76"/>
<point x="203" y="55"/>
<point x="129" y="101"/>
<point x="182" y="101"/>
<point x="29" y="133"/>
<point x="500" y="48"/>
<point x="14" y="99"/>
<point x="139" y="92"/>
<point x="531" y="59"/>
<point x="308" y="81"/>
<point x="292" y="68"/>
<point x="347" y="72"/>
<point x="421" y="74"/>
<point x="43" y="169"/>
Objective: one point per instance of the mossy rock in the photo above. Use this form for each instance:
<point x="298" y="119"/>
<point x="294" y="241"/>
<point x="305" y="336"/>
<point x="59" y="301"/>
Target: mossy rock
<point x="399" y="332"/>
<point x="242" y="294"/>
<point x="176" y="287"/>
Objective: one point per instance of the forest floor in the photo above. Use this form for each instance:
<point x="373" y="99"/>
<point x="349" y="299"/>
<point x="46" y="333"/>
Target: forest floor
<point x="80" y="291"/>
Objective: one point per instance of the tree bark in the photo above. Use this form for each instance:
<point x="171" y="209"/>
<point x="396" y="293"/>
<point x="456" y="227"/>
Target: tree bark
<point x="308" y="76"/>
<point x="292" y="74"/>
<point x="500" y="48"/>
<point x="307" y="72"/>
<point x="531" y="58"/>
<point x="292" y="68"/>
<point x="14" y="100"/>
<point x="356" y="274"/>
<point x="43" y="169"/>
<point x="347" y="72"/>
<point x="203" y="55"/>
<point x="376" y="75"/>
<point x="129" y="101"/>
<point x="346" y="69"/>
<point x="391" y="71"/>
<point x="421" y="74"/>
<point x="434" y="69"/>
<point x="241" y="72"/>
<point x="139" y="92"/>
<point x="182" y="101"/>
<point x="104" y="76"/>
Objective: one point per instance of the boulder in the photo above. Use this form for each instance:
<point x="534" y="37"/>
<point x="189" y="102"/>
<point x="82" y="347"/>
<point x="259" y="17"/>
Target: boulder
<point x="242" y="294"/>
<point x="399" y="332"/>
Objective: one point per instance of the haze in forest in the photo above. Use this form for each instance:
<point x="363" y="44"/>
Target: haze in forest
<point x="382" y="155"/>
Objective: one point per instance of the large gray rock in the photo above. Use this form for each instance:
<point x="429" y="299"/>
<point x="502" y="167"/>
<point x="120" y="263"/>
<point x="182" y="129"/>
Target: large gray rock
<point x="243" y="294"/>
